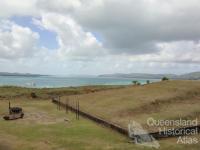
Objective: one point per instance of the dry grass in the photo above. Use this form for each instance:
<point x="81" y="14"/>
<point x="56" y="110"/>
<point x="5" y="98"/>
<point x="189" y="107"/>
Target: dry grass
<point x="9" y="92"/>
<point x="162" y="100"/>
<point x="44" y="128"/>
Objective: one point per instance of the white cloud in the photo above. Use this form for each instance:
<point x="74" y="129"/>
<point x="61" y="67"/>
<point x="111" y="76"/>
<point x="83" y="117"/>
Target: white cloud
<point x="173" y="52"/>
<point x="58" y="5"/>
<point x="10" y="8"/>
<point x="130" y="35"/>
<point x="16" y="41"/>
<point x="137" y="26"/>
<point x="74" y="42"/>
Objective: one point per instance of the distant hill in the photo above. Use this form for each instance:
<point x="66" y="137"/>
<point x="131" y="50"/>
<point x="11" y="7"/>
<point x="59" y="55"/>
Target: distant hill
<point x="139" y="75"/>
<point x="19" y="74"/>
<point x="192" y="76"/>
<point x="188" y="76"/>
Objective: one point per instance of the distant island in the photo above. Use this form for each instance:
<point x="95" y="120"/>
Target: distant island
<point x="187" y="76"/>
<point x="20" y="74"/>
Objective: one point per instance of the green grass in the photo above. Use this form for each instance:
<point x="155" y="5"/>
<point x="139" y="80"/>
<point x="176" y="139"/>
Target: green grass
<point x="25" y="134"/>
<point x="75" y="134"/>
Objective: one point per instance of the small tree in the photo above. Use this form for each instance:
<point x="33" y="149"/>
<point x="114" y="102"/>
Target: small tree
<point x="165" y="79"/>
<point x="147" y="81"/>
<point x="134" y="82"/>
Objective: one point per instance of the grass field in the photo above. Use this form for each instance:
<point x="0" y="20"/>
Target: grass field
<point x="161" y="100"/>
<point x="46" y="128"/>
<point x="8" y="92"/>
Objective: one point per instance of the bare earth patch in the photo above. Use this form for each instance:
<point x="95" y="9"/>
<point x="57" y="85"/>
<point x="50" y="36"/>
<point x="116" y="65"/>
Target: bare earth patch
<point x="41" y="118"/>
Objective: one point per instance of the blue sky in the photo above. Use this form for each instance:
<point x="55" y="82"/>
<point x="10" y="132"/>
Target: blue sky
<point x="47" y="38"/>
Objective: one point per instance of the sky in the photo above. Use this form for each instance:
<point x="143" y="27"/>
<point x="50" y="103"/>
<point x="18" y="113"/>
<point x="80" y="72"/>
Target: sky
<point x="91" y="37"/>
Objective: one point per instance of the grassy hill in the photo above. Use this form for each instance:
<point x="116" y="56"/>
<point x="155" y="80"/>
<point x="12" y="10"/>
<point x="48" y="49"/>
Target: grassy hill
<point x="9" y="92"/>
<point x="161" y="100"/>
<point x="44" y="127"/>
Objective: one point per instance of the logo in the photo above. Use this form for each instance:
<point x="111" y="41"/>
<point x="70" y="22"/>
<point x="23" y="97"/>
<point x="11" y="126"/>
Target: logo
<point x="140" y="136"/>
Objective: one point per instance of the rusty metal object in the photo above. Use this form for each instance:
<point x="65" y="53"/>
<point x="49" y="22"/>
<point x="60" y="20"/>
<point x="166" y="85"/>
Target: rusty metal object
<point x="14" y="113"/>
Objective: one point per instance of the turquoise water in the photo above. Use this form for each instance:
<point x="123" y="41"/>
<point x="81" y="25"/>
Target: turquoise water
<point x="56" y="81"/>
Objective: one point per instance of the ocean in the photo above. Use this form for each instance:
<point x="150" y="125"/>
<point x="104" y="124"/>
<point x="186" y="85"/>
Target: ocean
<point x="58" y="81"/>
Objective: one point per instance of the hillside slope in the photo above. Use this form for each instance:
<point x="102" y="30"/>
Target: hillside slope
<point x="161" y="100"/>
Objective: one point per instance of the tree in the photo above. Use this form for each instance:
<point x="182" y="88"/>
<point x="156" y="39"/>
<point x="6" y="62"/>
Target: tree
<point x="134" y="82"/>
<point x="147" y="81"/>
<point x="165" y="79"/>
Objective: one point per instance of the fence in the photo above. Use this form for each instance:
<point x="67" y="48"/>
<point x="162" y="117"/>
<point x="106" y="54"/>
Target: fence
<point x="123" y="131"/>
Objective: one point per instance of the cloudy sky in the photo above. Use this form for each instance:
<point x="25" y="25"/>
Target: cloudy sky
<point x="99" y="36"/>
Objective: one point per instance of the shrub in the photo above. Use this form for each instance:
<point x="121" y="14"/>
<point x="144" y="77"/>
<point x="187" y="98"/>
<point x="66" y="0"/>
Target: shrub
<point x="165" y="79"/>
<point x="33" y="95"/>
<point x="147" y="81"/>
<point x="135" y="82"/>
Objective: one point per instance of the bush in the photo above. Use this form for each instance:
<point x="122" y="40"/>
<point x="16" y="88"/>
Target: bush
<point x="165" y="79"/>
<point x="33" y="95"/>
<point x="135" y="82"/>
<point x="147" y="81"/>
